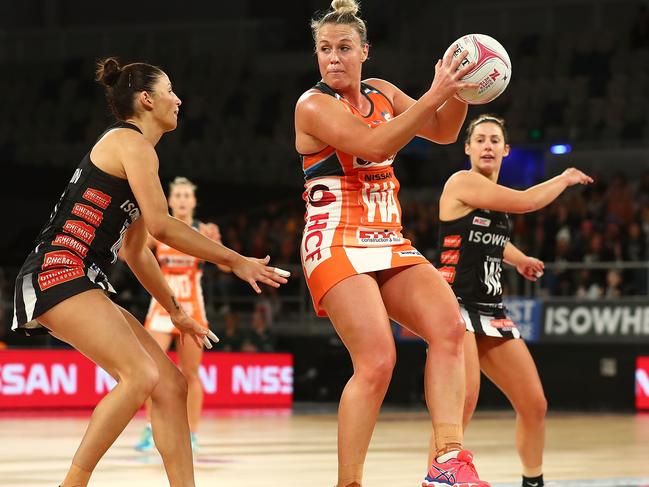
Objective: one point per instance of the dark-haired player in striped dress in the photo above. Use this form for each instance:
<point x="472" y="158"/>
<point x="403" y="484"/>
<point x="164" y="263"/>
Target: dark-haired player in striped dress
<point x="114" y="201"/>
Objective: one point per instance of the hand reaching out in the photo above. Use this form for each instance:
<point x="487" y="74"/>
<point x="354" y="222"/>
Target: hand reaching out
<point x="188" y="326"/>
<point x="575" y="176"/>
<point x="251" y="270"/>
<point x="531" y="268"/>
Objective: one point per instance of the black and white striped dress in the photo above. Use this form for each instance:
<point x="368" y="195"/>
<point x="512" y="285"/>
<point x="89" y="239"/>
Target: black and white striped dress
<point x="470" y="259"/>
<point x="77" y="245"/>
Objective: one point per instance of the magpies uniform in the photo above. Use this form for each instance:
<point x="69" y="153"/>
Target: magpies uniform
<point x="79" y="243"/>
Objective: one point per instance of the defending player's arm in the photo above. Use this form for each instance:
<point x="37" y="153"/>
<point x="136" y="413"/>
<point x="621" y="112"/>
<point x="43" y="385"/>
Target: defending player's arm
<point x="530" y="268"/>
<point x="477" y="191"/>
<point x="324" y="119"/>
<point x="144" y="265"/>
<point x="211" y="231"/>
<point x="140" y="163"/>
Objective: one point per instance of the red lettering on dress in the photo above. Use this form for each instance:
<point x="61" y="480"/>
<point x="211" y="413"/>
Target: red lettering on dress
<point x="88" y="213"/>
<point x="97" y="197"/>
<point x="80" y="230"/>
<point x="55" y="277"/>
<point x="70" y="243"/>
<point x="61" y="258"/>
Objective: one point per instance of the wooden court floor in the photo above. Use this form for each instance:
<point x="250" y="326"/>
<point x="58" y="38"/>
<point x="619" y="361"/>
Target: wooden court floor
<point x="285" y="448"/>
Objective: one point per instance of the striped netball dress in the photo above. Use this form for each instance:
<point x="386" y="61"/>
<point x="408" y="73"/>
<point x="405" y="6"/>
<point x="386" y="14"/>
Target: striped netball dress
<point x="470" y="259"/>
<point x="353" y="216"/>
<point x="77" y="245"/>
<point x="183" y="274"/>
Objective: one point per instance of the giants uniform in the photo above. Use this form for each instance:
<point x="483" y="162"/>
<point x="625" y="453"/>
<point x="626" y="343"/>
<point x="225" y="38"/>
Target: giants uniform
<point x="183" y="274"/>
<point x="77" y="245"/>
<point x="353" y="216"/>
<point x="471" y="255"/>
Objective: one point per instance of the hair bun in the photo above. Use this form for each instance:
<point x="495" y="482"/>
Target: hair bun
<point x="342" y="7"/>
<point x="108" y="71"/>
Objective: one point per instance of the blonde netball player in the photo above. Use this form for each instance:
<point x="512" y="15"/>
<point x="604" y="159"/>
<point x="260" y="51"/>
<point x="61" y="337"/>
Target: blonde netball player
<point x="474" y="241"/>
<point x="183" y="274"/>
<point x="115" y="197"/>
<point x="360" y="270"/>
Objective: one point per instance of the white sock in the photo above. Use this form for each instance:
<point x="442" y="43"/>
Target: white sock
<point x="447" y="456"/>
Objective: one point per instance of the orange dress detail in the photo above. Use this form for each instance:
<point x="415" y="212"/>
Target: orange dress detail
<point x="353" y="215"/>
<point x="183" y="274"/>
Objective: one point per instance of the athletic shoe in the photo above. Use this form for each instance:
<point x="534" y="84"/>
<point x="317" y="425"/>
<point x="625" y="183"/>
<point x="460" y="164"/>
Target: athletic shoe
<point x="146" y="443"/>
<point x="454" y="469"/>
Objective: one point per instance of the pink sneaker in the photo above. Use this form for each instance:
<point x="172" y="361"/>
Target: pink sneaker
<point x="454" y="469"/>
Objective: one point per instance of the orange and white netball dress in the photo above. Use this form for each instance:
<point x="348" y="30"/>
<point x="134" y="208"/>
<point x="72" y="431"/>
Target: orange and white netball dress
<point x="353" y="216"/>
<point x="183" y="274"/>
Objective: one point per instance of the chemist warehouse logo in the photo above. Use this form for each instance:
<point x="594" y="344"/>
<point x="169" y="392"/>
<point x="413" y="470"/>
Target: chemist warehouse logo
<point x="596" y="322"/>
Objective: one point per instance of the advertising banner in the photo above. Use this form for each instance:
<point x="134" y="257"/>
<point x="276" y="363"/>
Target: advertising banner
<point x="597" y="321"/>
<point x="642" y="383"/>
<point x="65" y="378"/>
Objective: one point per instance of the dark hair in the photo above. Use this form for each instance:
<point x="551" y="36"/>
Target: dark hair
<point x="122" y="83"/>
<point x="342" y="12"/>
<point x="484" y="118"/>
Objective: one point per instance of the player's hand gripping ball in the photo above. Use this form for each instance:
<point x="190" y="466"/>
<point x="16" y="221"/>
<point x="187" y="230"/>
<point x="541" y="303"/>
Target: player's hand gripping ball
<point x="492" y="71"/>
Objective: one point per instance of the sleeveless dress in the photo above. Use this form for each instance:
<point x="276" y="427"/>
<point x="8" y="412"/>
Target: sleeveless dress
<point x="78" y="244"/>
<point x="470" y="259"/>
<point x="353" y="216"/>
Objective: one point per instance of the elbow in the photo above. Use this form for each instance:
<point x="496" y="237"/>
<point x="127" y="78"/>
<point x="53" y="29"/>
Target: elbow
<point x="447" y="139"/>
<point x="377" y="155"/>
<point x="157" y="229"/>
<point x="528" y="207"/>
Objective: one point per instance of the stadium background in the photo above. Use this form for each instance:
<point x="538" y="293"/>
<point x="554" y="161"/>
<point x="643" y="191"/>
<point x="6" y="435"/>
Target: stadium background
<point x="580" y="78"/>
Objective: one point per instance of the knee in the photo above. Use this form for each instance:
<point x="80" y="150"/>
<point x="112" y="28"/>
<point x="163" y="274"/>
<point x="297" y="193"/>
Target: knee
<point x="376" y="372"/>
<point x="143" y="377"/>
<point x="534" y="409"/>
<point x="172" y="386"/>
<point x="448" y="337"/>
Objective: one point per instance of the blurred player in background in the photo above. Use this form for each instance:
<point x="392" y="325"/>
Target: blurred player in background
<point x="474" y="241"/>
<point x="183" y="274"/>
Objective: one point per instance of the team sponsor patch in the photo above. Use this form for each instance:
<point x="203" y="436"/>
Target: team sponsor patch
<point x="47" y="279"/>
<point x="452" y="241"/>
<point x="450" y="257"/>
<point x="448" y="273"/>
<point x="97" y="197"/>
<point x="367" y="236"/>
<point x="481" y="222"/>
<point x="80" y="230"/>
<point x="409" y="253"/>
<point x="503" y="324"/>
<point x="88" y="213"/>
<point x="61" y="258"/>
<point x="71" y="243"/>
